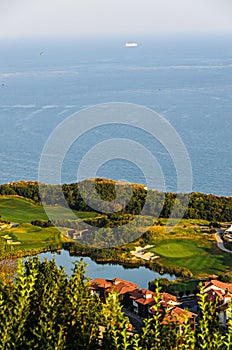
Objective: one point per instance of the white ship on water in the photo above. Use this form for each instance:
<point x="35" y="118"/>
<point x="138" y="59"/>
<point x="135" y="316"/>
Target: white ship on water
<point x="131" y="44"/>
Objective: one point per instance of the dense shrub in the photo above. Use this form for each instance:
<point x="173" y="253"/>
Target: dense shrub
<point x="45" y="309"/>
<point x="42" y="223"/>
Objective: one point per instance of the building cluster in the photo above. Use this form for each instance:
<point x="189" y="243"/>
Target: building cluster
<point x="141" y="301"/>
<point x="223" y="293"/>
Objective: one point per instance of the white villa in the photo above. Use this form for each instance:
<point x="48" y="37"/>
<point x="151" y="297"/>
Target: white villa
<point x="228" y="234"/>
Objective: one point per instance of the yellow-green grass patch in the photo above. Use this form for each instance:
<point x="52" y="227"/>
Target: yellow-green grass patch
<point x="17" y="209"/>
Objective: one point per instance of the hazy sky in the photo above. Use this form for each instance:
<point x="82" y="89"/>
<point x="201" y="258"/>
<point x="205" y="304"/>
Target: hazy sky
<point x="78" y="17"/>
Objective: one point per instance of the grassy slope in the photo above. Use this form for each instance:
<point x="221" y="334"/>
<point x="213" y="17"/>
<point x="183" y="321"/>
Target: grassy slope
<point x="23" y="211"/>
<point x="188" y="247"/>
<point x="16" y="209"/>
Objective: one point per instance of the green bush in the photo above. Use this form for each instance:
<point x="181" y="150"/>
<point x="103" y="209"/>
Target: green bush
<point x="46" y="309"/>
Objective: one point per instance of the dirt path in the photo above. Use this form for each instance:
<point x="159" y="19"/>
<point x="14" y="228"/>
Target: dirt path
<point x="220" y="242"/>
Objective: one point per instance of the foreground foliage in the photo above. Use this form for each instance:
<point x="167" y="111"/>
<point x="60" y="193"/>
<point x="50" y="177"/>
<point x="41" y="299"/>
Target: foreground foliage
<point x="43" y="308"/>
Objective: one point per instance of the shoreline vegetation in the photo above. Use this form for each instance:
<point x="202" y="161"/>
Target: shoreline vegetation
<point x="187" y="249"/>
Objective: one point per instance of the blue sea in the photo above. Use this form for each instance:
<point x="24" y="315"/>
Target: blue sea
<point x="186" y="79"/>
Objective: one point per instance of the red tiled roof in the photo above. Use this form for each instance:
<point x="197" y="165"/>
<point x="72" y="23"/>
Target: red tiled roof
<point x="143" y="301"/>
<point x="178" y="315"/>
<point x="120" y="287"/>
<point x="119" y="280"/>
<point x="135" y="294"/>
<point x="141" y="297"/>
<point x="142" y="293"/>
<point x="168" y="303"/>
<point x="167" y="297"/>
<point x="116" y="280"/>
<point x="219" y="284"/>
<point x="102" y="283"/>
<point x="146" y="291"/>
<point x="227" y="295"/>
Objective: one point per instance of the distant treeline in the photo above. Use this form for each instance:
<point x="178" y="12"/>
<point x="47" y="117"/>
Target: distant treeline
<point x="200" y="206"/>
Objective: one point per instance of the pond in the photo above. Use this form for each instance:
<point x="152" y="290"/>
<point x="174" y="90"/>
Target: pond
<point x="140" y="276"/>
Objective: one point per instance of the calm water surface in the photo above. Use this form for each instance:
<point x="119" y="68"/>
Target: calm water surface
<point x="140" y="275"/>
<point x="187" y="80"/>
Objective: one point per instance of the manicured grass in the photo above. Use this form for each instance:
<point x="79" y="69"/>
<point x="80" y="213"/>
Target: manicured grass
<point x="23" y="211"/>
<point x="201" y="258"/>
<point x="16" y="209"/>
<point x="189" y="244"/>
<point x="32" y="236"/>
<point x="177" y="249"/>
<point x="184" y="246"/>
